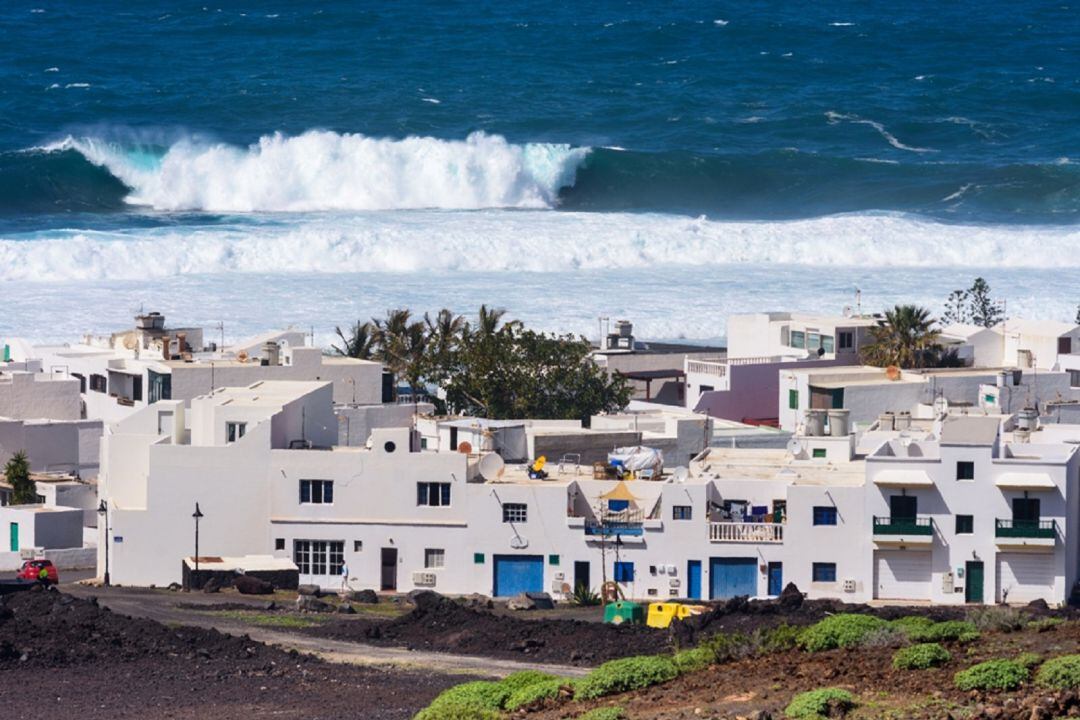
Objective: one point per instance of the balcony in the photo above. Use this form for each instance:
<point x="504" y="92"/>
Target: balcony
<point x="629" y="522"/>
<point x="746" y="532"/>
<point x="1025" y="533"/>
<point x="903" y="530"/>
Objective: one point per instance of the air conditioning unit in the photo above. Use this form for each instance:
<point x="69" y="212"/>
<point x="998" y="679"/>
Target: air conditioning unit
<point x="849" y="586"/>
<point x="424" y="579"/>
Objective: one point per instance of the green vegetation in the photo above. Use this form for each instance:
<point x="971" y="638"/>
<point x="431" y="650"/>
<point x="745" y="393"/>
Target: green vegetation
<point x="997" y="618"/>
<point x="607" y="713"/>
<point x="1045" y="624"/>
<point x="531" y="694"/>
<point x="839" y="631"/>
<point x="489" y="368"/>
<point x="264" y="619"/>
<point x="478" y="700"/>
<point x="907" y="338"/>
<point x="920" y="657"/>
<point x="630" y="673"/>
<point x="733" y="646"/>
<point x="819" y="703"/>
<point x="911" y="623"/>
<point x="1029" y="659"/>
<point x="948" y="630"/>
<point x="584" y="597"/>
<point x="17" y="474"/>
<point x="697" y="659"/>
<point x="992" y="675"/>
<point x="1062" y="673"/>
<point x="974" y="306"/>
<point x="776" y="639"/>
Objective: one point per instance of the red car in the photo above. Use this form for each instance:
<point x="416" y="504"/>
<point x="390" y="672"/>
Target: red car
<point x="42" y="570"/>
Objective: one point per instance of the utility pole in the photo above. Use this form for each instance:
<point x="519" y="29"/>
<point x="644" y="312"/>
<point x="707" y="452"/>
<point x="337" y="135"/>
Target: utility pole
<point x="197" y="515"/>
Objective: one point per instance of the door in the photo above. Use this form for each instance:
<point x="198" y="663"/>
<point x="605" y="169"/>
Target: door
<point x="14" y="537"/>
<point x="732" y="577"/>
<point x="581" y="575"/>
<point x="902" y="575"/>
<point x="776" y="578"/>
<point x="389" y="569"/>
<point x="973" y="577"/>
<point x="693" y="579"/>
<point x="1025" y="511"/>
<point x="1023" y="577"/>
<point x="903" y="507"/>
<point x="515" y="574"/>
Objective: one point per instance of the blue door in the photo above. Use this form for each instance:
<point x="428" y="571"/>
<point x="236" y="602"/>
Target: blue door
<point x="776" y="578"/>
<point x="693" y="579"/>
<point x="516" y="574"/>
<point x="731" y="577"/>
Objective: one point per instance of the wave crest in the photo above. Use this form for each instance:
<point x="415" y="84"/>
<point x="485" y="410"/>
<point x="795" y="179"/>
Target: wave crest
<point x="322" y="170"/>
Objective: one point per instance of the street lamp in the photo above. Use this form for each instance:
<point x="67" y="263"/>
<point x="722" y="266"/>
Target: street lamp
<point x="103" y="511"/>
<point x="197" y="515"/>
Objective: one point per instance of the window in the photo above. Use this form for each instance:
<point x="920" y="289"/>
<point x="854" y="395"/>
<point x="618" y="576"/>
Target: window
<point x="433" y="494"/>
<point x="1074" y="378"/>
<point x="316" y="492"/>
<point x="98" y="383"/>
<point x="357" y="545"/>
<point x="319" y="557"/>
<point x="234" y="431"/>
<point x="681" y="512"/>
<point x="965" y="524"/>
<point x="798" y="339"/>
<point x="624" y="572"/>
<point x="818" y="453"/>
<point x="824" y="515"/>
<point x="1064" y="346"/>
<point x="827" y="343"/>
<point x="160" y="385"/>
<point x="813" y="341"/>
<point x="824" y="572"/>
<point x="705" y="388"/>
<point x="434" y="558"/>
<point x="279" y="544"/>
<point x="553" y="559"/>
<point x="965" y="470"/>
<point x="478" y="558"/>
<point x="515" y="512"/>
<point x="82" y="381"/>
<point x="793" y="399"/>
<point x="845" y="340"/>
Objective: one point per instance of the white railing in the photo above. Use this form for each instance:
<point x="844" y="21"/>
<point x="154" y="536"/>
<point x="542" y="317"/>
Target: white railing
<point x="746" y="532"/>
<point x="719" y="366"/>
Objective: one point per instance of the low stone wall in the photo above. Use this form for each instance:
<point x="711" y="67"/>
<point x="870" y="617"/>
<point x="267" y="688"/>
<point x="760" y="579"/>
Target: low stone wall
<point x="65" y="559"/>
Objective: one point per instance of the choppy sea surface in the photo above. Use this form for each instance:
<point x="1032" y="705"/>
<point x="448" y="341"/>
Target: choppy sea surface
<point x="314" y="163"/>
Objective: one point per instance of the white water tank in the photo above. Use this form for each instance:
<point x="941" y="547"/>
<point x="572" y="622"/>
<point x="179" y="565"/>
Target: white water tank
<point x="839" y="422"/>
<point x="1027" y="419"/>
<point x="903" y="421"/>
<point x="815" y="422"/>
<point x="886" y="421"/>
<point x="271" y="353"/>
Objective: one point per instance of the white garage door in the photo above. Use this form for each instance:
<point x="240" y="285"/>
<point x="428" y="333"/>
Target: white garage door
<point x="1025" y="577"/>
<point x="902" y="575"/>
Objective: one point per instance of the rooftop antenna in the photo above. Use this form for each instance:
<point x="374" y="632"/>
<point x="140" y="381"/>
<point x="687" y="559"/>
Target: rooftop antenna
<point x="858" y="302"/>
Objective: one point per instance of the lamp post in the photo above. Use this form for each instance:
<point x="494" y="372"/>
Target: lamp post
<point x="197" y="515"/>
<point x="103" y="511"/>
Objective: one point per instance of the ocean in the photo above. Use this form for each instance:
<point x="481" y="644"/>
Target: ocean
<point x="668" y="163"/>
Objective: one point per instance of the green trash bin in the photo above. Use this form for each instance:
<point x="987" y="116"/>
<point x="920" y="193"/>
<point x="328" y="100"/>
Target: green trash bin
<point x="624" y="611"/>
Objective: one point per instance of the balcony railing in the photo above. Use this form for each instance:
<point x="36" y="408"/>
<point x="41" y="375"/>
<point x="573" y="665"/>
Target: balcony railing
<point x="1025" y="528"/>
<point x="719" y="366"/>
<point x="617" y="522"/>
<point x="746" y="532"/>
<point x="903" y="526"/>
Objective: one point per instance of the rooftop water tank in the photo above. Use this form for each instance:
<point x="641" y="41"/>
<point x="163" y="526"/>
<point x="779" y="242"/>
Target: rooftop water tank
<point x="839" y="422"/>
<point x="815" y="422"/>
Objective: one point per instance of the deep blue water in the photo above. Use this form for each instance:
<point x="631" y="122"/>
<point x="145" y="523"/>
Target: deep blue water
<point x="961" y="112"/>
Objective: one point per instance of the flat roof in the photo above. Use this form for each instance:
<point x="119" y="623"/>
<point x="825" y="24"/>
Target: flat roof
<point x="778" y="465"/>
<point x="969" y="429"/>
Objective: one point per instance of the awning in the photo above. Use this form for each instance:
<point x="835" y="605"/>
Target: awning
<point x="1025" y="481"/>
<point x="903" y="478"/>
<point x="619" y="492"/>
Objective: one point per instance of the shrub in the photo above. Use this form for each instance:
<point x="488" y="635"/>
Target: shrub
<point x="479" y="700"/>
<point x="625" y="674"/>
<point x="606" y="713"/>
<point x="946" y="631"/>
<point x="839" y="631"/>
<point x="1045" y="624"/>
<point x="729" y="647"/>
<point x="920" y="657"/>
<point x="583" y="596"/>
<point x="819" y="703"/>
<point x="534" y="693"/>
<point x="776" y="639"/>
<point x="516" y="681"/>
<point x="992" y="675"/>
<point x="911" y="623"/>
<point x="1062" y="673"/>
<point x="1029" y="659"/>
<point x="997" y="618"/>
<point x="696" y="659"/>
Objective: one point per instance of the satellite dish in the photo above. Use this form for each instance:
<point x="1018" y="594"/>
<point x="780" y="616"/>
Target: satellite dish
<point x="491" y="466"/>
<point x="465" y="447"/>
<point x="794" y="446"/>
<point x="681" y="474"/>
<point x="518" y="543"/>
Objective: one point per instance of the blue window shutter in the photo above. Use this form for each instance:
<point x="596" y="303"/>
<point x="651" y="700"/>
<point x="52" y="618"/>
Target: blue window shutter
<point x="421" y="494"/>
<point x="305" y="491"/>
<point x="445" y="494"/>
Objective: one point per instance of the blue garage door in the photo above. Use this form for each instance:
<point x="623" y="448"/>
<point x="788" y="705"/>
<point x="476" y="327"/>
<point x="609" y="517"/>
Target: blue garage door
<point x="731" y="577"/>
<point x="518" y="573"/>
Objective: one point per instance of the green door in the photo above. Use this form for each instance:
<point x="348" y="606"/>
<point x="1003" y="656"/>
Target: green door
<point x="14" y="537"/>
<point x="973" y="592"/>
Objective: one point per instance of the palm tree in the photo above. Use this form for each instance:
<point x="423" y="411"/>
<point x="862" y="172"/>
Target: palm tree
<point x="444" y="335"/>
<point x="360" y="343"/>
<point x="907" y="338"/>
<point x="401" y="344"/>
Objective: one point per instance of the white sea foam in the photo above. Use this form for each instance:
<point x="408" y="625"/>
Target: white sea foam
<point x="835" y="117"/>
<point x="720" y="23"/>
<point x="448" y="242"/>
<point x="321" y="170"/>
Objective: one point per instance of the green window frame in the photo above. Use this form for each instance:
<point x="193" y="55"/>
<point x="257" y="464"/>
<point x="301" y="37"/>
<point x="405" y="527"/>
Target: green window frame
<point x="478" y="558"/>
<point x="553" y="559"/>
<point x="819" y="453"/>
<point x="793" y="399"/>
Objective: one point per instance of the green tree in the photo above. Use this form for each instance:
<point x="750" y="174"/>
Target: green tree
<point x="401" y="343"/>
<point x="359" y="343"/>
<point x="17" y="473"/>
<point x="907" y="338"/>
<point x="956" y="309"/>
<point x="444" y="335"/>
<point x="984" y="310"/>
